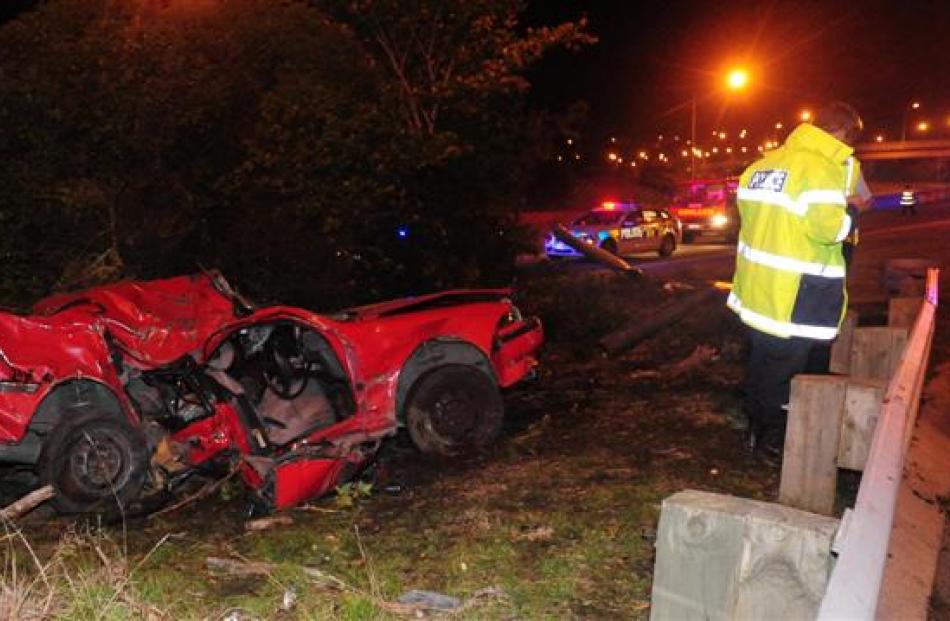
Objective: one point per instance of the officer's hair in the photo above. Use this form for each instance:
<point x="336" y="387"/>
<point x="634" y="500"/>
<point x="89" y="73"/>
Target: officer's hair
<point x="839" y="116"/>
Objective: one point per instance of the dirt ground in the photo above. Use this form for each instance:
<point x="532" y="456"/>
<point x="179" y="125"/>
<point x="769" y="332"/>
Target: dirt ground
<point x="558" y="518"/>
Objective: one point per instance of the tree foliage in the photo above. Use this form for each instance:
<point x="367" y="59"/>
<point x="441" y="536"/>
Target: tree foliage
<point x="289" y="143"/>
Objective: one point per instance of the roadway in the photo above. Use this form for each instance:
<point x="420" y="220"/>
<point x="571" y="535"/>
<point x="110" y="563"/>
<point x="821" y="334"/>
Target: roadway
<point x="884" y="235"/>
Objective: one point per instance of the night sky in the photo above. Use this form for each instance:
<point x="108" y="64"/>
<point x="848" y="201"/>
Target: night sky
<point x="653" y="55"/>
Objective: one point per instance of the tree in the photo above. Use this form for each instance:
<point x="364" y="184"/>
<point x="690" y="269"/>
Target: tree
<point x="275" y="140"/>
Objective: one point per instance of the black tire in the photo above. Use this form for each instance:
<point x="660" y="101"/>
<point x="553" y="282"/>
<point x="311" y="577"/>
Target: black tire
<point x="452" y="409"/>
<point x="609" y="245"/>
<point x="667" y="246"/>
<point x="95" y="463"/>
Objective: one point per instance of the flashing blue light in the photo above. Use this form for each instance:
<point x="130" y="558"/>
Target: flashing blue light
<point x="402" y="232"/>
<point x="602" y="235"/>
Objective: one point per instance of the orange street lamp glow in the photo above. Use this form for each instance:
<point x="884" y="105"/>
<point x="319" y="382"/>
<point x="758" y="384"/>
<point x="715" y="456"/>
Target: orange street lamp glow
<point x="779" y="125"/>
<point x="737" y="79"/>
<point x="915" y="105"/>
<point x="879" y="138"/>
<point x="805" y="115"/>
<point x="923" y="126"/>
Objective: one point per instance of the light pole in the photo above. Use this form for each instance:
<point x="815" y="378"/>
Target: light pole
<point x="692" y="143"/>
<point x="912" y="105"/>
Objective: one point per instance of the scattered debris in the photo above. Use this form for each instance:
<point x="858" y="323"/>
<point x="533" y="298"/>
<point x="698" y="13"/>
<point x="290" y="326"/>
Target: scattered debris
<point x="675" y="285"/>
<point x="641" y="328"/>
<point x="239" y="568"/>
<point x="429" y="600"/>
<point x="268" y="522"/>
<point x="289" y="601"/>
<point x="207" y="490"/>
<point x="27" y="503"/>
<point x="701" y="354"/>
<point x="541" y="533"/>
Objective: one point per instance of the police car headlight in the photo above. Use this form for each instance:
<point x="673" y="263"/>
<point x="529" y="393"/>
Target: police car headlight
<point x="719" y="220"/>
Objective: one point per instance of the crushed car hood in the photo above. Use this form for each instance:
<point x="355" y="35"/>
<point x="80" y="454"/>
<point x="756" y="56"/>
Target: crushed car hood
<point x="156" y="322"/>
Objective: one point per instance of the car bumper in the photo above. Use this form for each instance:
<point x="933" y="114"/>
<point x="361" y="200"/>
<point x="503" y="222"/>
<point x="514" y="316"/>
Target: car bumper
<point x="514" y="357"/>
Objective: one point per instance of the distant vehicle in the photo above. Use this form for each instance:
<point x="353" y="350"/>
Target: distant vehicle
<point x="621" y="229"/>
<point x="707" y="208"/>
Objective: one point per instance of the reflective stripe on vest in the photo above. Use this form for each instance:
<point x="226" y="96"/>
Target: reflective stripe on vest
<point x="845" y="229"/>
<point x="789" y="264"/>
<point x="798" y="207"/>
<point x="773" y="326"/>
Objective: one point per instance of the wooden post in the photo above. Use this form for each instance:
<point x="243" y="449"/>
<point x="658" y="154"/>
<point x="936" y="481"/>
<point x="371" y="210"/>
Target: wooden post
<point x="901" y="312"/>
<point x="876" y="351"/>
<point x="841" y="347"/>
<point x="809" y="469"/>
<point x="721" y="557"/>
<point x="862" y="407"/>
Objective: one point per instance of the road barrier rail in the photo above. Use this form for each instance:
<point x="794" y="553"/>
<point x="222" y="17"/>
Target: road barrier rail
<point x="722" y="557"/>
<point x="864" y="537"/>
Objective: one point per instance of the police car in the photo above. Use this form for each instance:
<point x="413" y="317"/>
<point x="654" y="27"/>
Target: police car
<point x="621" y="229"/>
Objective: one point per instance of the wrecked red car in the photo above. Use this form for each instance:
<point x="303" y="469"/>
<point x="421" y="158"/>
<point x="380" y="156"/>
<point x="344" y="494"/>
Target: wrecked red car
<point x="115" y="392"/>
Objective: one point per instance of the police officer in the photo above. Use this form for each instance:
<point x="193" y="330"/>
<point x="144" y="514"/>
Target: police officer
<point x="908" y="201"/>
<point x="789" y="283"/>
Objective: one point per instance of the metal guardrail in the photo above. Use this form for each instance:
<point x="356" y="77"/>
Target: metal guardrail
<point x="862" y="544"/>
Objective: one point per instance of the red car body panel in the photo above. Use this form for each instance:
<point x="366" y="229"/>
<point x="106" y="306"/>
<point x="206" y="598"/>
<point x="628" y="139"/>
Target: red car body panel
<point x="152" y="325"/>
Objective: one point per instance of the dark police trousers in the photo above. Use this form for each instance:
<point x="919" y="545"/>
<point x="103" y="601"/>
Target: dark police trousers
<point x="771" y="364"/>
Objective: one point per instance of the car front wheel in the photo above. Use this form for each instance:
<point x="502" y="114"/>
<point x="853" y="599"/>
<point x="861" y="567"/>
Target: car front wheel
<point x="95" y="462"/>
<point x="454" y="408"/>
<point x="667" y="246"/>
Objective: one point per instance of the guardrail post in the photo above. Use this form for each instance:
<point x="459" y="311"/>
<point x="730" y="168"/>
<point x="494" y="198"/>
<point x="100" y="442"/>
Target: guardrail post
<point x="809" y="469"/>
<point x="902" y="311"/>
<point x="840" y="361"/>
<point x="862" y="407"/>
<point x="875" y="352"/>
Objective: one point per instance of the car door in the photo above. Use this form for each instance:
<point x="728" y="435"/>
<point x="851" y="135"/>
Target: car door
<point x="631" y="232"/>
<point x="652" y="227"/>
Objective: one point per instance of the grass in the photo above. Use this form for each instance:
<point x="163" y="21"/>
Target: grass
<point x="557" y="522"/>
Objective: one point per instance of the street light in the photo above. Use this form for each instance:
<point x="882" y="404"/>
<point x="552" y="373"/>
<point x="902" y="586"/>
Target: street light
<point x="805" y="116"/>
<point x="923" y="127"/>
<point x="737" y="79"/>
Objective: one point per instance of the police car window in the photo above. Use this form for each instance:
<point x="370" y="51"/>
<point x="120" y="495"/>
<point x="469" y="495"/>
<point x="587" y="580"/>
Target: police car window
<point x="598" y="217"/>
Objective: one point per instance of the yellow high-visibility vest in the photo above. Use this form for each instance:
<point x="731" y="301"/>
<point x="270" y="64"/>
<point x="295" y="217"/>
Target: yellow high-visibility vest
<point x="790" y="274"/>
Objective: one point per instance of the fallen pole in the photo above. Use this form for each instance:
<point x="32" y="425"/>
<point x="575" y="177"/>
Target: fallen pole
<point x="641" y="328"/>
<point x="27" y="503"/>
<point x="594" y="252"/>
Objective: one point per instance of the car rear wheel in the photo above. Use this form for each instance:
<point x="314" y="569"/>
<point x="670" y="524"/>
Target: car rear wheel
<point x="95" y="462"/>
<point x="609" y="245"/>
<point x="454" y="408"/>
<point x="667" y="246"/>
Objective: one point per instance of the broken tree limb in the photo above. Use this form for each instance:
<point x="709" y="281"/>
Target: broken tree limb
<point x="641" y="328"/>
<point x="594" y="252"/>
<point x="27" y="503"/>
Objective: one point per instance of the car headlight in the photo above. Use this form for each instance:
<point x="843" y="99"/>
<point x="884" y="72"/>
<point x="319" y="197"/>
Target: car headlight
<point x="719" y="220"/>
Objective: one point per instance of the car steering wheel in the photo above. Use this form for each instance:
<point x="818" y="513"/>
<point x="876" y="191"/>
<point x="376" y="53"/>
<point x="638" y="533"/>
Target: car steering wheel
<point x="285" y="369"/>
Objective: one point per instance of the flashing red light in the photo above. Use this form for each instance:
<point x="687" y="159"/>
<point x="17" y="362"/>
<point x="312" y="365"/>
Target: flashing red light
<point x="608" y="205"/>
